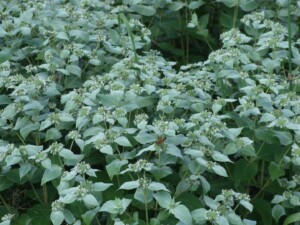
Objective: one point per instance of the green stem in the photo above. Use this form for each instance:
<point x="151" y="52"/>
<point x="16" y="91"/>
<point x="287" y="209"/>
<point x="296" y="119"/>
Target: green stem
<point x="146" y="208"/>
<point x="36" y="194"/>
<point x="5" y="204"/>
<point x="260" y="148"/>
<point x="210" y="47"/>
<point x="269" y="181"/>
<point x="186" y="35"/>
<point x="290" y="43"/>
<point x="22" y="140"/>
<point x="130" y="35"/>
<point x="262" y="189"/>
<point x="71" y="144"/>
<point x="235" y="15"/>
<point x="262" y="175"/>
<point x="45" y="193"/>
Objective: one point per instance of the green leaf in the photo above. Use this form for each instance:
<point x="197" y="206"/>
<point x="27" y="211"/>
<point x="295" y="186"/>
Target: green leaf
<point x="163" y="198"/>
<point x="57" y="217"/>
<point x="144" y="101"/>
<point x="244" y="171"/>
<point x="267" y="117"/>
<point x="73" y="69"/>
<point x="220" y="170"/>
<point x="69" y="157"/>
<point x="22" y="122"/>
<point x="292" y="218"/>
<point x="100" y="186"/>
<point x="80" y="143"/>
<point x="249" y="5"/>
<point x="39" y="215"/>
<point x="12" y="159"/>
<point x="263" y="208"/>
<point x="24" y="169"/>
<point x="203" y="21"/>
<point x="144" y="196"/>
<point x="4" y="56"/>
<point x="230" y="149"/>
<point x="5" y="100"/>
<point x="25" y="131"/>
<point x="234" y="219"/>
<point x="211" y="203"/>
<point x="62" y="36"/>
<point x="160" y="172"/>
<point x="130" y="185"/>
<point x="219" y="157"/>
<point x="221" y="220"/>
<point x="143" y="10"/>
<point x="229" y="3"/>
<point x="45" y="124"/>
<point x="88" y="217"/>
<point x="115" y="207"/>
<point x="115" y="37"/>
<point x="95" y="62"/>
<point x="123" y="141"/>
<point x="53" y="134"/>
<point x="196" y="4"/>
<point x="69" y="217"/>
<point x="285" y="138"/>
<point x="107" y="149"/>
<point x="216" y="108"/>
<point x="144" y="137"/>
<point x="2" y="32"/>
<point x="90" y="200"/>
<point x="198" y="215"/>
<point x="275" y="171"/>
<point x="63" y="55"/>
<point x="114" y="167"/>
<point x="175" y="6"/>
<point x="111" y="99"/>
<point x="277" y="212"/>
<point x="182" y="213"/>
<point x="51" y="174"/>
<point x="79" y="34"/>
<point x="109" y="207"/>
<point x="66" y="117"/>
<point x="174" y="151"/>
<point x="247" y="205"/>
<point x="155" y="186"/>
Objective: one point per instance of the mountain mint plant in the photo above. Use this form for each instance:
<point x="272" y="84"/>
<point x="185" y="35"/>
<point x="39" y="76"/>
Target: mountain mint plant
<point x="99" y="127"/>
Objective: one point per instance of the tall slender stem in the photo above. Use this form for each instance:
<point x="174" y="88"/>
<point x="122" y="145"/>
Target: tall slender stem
<point x="235" y="15"/>
<point x="146" y="208"/>
<point x="290" y="43"/>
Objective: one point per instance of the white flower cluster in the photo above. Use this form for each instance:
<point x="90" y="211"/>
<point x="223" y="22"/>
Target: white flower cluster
<point x="234" y="37"/>
<point x="140" y="165"/>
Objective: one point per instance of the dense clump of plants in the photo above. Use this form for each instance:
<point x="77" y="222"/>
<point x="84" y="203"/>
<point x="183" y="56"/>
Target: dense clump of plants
<point x="149" y="112"/>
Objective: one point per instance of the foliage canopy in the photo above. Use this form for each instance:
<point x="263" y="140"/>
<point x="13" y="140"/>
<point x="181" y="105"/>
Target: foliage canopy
<point x="149" y="112"/>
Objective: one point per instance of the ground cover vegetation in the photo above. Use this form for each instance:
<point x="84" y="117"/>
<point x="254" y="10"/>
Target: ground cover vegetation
<point x="149" y="112"/>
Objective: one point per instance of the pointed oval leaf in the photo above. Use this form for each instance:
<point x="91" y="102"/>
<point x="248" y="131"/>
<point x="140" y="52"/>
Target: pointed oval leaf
<point x="130" y="185"/>
<point x="100" y="186"/>
<point x="123" y="141"/>
<point x="155" y="186"/>
<point x="51" y="174"/>
<point x="220" y="170"/>
<point x="182" y="213"/>
<point x="90" y="200"/>
<point x="163" y="198"/>
<point x="277" y="212"/>
<point x="143" y="10"/>
<point x="292" y="218"/>
<point x="57" y="217"/>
